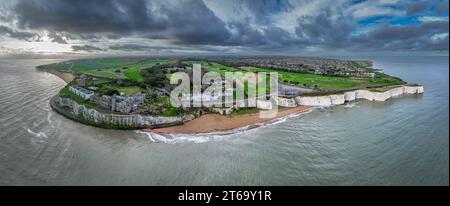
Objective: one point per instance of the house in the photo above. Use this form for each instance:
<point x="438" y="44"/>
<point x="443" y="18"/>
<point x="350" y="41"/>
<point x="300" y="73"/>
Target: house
<point x="82" y="92"/>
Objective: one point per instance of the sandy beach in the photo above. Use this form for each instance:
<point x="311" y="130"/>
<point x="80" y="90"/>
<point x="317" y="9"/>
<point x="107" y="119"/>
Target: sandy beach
<point x="215" y="122"/>
<point x="66" y="76"/>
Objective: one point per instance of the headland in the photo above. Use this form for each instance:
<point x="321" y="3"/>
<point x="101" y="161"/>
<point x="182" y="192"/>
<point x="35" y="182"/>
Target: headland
<point x="131" y="93"/>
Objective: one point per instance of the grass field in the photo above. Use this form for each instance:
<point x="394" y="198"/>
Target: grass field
<point x="221" y="69"/>
<point x="106" y="68"/>
<point x="129" y="91"/>
<point x="334" y="83"/>
<point x="130" y="69"/>
<point x="105" y="73"/>
<point x="331" y="82"/>
<point x="86" y="65"/>
<point x="133" y="71"/>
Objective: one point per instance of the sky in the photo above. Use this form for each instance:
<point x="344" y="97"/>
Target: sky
<point x="45" y="28"/>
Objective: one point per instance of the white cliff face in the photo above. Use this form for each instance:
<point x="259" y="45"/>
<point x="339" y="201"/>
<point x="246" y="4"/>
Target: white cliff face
<point x="76" y="111"/>
<point x="319" y="101"/>
<point x="286" y="102"/>
<point x="364" y="94"/>
<point x="73" y="110"/>
<point x="338" y="99"/>
<point x="395" y="92"/>
<point x="261" y="104"/>
<point x="333" y="99"/>
<point x="413" y="89"/>
<point x="420" y="90"/>
<point x="380" y="96"/>
<point x="350" y="96"/>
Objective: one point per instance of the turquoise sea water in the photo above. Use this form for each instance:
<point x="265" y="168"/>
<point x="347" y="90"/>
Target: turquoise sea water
<point x="404" y="141"/>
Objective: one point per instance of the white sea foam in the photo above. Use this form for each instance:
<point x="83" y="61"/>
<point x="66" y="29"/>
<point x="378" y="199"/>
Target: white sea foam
<point x="49" y="117"/>
<point x="37" y="134"/>
<point x="181" y="138"/>
<point x="350" y="105"/>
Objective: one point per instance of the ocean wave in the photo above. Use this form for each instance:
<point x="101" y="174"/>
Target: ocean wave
<point x="37" y="134"/>
<point x="49" y="117"/>
<point x="350" y="105"/>
<point x="181" y="138"/>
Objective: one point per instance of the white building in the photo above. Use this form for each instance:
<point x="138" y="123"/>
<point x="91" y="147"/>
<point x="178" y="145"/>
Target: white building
<point x="83" y="93"/>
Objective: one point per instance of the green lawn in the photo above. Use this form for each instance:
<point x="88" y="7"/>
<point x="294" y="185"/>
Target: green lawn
<point x="221" y="69"/>
<point x="313" y="80"/>
<point x="114" y="62"/>
<point x="133" y="71"/>
<point x="105" y="73"/>
<point x="106" y="68"/>
<point x="330" y="82"/>
<point x="130" y="69"/>
<point x="76" y="98"/>
<point x="129" y="91"/>
<point x="171" y="111"/>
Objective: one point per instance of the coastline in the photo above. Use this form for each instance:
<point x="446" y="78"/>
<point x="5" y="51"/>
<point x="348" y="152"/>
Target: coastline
<point x="208" y="122"/>
<point x="65" y="76"/>
<point x="215" y="122"/>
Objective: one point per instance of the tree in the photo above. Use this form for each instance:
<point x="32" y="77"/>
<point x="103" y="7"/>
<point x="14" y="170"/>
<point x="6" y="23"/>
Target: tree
<point x="154" y="76"/>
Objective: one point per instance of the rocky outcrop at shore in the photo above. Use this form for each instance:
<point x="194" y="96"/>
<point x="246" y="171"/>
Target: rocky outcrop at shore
<point x="91" y="116"/>
<point x="338" y="99"/>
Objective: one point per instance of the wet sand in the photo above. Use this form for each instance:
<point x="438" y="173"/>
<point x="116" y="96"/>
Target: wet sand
<point x="215" y="122"/>
<point x="66" y="76"/>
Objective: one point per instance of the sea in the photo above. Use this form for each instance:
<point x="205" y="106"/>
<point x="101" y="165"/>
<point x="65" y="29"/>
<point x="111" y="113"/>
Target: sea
<point x="403" y="141"/>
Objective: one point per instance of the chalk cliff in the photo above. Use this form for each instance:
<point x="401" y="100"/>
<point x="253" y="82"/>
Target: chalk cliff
<point x="337" y="99"/>
<point x="81" y="113"/>
<point x="286" y="102"/>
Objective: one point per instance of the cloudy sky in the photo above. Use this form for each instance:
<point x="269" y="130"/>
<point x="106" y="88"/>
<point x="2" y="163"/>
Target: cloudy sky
<point x="223" y="27"/>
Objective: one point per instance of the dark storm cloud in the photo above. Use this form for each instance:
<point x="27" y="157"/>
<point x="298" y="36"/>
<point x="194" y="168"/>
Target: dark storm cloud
<point x="412" y="37"/>
<point x="138" y="47"/>
<point x="79" y="16"/>
<point x="189" y="23"/>
<point x="262" y="9"/>
<point x="86" y="48"/>
<point x="245" y="34"/>
<point x="322" y="30"/>
<point x="28" y="36"/>
<point x="194" y="23"/>
<point x="130" y="47"/>
<point x="57" y="38"/>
